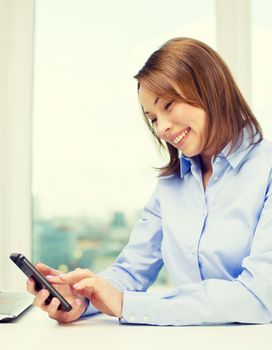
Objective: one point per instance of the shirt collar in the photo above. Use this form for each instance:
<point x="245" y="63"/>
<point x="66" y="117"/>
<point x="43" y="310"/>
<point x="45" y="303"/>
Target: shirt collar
<point x="234" y="158"/>
<point x="185" y="164"/>
<point x="239" y="153"/>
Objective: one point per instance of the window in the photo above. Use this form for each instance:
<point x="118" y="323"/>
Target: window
<point x="92" y="155"/>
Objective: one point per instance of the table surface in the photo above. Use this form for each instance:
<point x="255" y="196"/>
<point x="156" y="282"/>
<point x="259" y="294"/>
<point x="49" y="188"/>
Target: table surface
<point x="35" y="330"/>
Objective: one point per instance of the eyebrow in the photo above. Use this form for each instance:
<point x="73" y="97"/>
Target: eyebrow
<point x="155" y="102"/>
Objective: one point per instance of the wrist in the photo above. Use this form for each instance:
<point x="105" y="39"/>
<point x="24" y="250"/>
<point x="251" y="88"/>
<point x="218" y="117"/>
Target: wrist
<point x="121" y="305"/>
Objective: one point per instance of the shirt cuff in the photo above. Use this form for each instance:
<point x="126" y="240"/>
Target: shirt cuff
<point x="139" y="307"/>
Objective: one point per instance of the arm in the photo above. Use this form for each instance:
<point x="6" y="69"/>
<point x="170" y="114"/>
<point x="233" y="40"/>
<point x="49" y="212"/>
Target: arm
<point x="246" y="299"/>
<point x="138" y="265"/>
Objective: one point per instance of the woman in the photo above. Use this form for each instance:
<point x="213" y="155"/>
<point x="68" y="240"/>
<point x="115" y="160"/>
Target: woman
<point x="209" y="219"/>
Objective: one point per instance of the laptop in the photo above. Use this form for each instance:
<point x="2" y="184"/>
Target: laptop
<point x="13" y="304"/>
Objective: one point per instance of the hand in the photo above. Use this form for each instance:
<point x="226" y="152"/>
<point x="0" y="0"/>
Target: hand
<point x="68" y="292"/>
<point x="103" y="295"/>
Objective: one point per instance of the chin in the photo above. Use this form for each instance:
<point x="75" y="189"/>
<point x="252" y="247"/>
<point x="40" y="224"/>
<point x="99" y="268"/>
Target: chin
<point x="189" y="154"/>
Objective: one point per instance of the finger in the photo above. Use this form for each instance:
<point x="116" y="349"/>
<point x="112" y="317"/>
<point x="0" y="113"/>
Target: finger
<point x="41" y="298"/>
<point x="87" y="286"/>
<point x="64" y="317"/>
<point x="71" y="277"/>
<point x="47" y="270"/>
<point x="52" y="308"/>
<point x="30" y="286"/>
<point x="77" y="303"/>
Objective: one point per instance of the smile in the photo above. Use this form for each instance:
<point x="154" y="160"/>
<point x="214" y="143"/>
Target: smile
<point x="181" y="136"/>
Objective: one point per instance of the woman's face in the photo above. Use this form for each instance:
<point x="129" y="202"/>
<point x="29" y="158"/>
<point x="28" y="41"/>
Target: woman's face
<point x="178" y="123"/>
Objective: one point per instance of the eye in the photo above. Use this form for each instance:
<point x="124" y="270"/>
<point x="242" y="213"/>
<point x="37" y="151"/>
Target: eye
<point x="168" y="105"/>
<point x="153" y="121"/>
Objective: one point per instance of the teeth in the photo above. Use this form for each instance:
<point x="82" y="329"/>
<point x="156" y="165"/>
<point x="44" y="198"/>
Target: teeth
<point x="180" y="137"/>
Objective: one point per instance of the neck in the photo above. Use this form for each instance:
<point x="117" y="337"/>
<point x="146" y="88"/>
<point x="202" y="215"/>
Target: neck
<point x="206" y="164"/>
<point x="206" y="157"/>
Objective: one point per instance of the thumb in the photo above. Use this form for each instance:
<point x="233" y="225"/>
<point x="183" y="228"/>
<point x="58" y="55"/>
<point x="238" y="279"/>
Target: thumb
<point x="87" y="292"/>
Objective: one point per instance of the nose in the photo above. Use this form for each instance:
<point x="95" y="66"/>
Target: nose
<point x="163" y="127"/>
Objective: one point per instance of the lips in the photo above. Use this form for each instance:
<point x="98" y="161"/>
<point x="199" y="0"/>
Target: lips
<point x="172" y="138"/>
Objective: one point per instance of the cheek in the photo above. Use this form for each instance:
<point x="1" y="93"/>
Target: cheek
<point x="198" y="133"/>
<point x="202" y="125"/>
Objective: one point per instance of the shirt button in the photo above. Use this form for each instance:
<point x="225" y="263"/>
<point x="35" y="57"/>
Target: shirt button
<point x="217" y="159"/>
<point x="145" y="318"/>
<point x="215" y="178"/>
<point x="132" y="318"/>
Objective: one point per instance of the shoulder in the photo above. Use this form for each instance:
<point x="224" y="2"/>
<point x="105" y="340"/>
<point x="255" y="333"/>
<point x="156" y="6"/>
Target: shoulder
<point x="168" y="185"/>
<point x="169" y="180"/>
<point x="263" y="151"/>
<point x="266" y="147"/>
<point x="260" y="160"/>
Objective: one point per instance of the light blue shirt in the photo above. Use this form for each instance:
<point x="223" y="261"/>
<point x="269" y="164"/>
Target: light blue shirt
<point x="216" y="245"/>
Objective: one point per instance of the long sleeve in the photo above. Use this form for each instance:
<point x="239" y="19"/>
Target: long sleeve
<point x="139" y="263"/>
<point x="245" y="299"/>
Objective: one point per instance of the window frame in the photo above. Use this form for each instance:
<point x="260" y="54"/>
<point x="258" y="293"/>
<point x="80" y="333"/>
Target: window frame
<point x="16" y="38"/>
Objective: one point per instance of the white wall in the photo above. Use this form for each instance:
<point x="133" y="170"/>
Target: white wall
<point x="16" y="32"/>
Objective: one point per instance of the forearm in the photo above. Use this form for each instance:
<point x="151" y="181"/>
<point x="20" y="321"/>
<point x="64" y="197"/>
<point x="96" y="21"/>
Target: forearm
<point x="208" y="302"/>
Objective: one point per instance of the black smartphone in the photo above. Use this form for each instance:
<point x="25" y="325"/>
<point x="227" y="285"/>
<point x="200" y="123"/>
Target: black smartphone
<point x="40" y="281"/>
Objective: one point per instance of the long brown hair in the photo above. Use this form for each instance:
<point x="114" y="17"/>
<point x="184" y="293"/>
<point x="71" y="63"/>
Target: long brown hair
<point x="195" y="69"/>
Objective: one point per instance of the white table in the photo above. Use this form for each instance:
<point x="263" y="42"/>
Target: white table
<point x="35" y="330"/>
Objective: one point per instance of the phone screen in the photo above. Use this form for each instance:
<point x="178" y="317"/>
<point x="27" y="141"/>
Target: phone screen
<point x="40" y="281"/>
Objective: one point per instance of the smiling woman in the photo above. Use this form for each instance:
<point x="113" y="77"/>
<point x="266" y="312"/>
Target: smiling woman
<point x="216" y="245"/>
